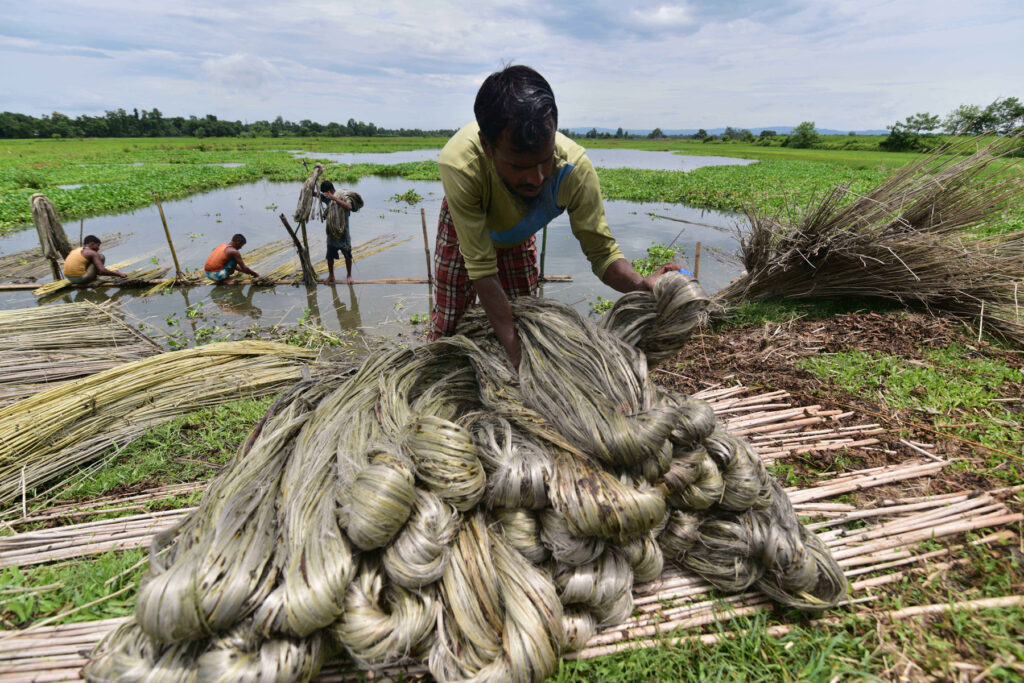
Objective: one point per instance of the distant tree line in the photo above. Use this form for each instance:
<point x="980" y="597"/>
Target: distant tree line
<point x="1005" y="116"/>
<point x="152" y="123"/>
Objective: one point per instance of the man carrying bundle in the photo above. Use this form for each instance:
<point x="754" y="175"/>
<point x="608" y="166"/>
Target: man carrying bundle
<point x="225" y="259"/>
<point x="85" y="264"/>
<point x="339" y="241"/>
<point x="505" y="177"/>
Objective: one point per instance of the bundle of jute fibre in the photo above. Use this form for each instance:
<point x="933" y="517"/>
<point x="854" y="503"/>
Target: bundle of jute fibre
<point x="305" y="204"/>
<point x="52" y="238"/>
<point x="437" y="506"/>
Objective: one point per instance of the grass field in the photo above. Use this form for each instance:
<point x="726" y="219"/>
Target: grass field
<point x="120" y="174"/>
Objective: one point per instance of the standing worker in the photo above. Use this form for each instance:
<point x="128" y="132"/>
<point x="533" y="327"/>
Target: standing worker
<point x="225" y="259"/>
<point x="338" y="237"/>
<point x="505" y="177"/>
<point x="85" y="264"/>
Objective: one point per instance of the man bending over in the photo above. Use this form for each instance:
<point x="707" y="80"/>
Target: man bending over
<point x="505" y="177"/>
<point x="85" y="264"/>
<point x="225" y="260"/>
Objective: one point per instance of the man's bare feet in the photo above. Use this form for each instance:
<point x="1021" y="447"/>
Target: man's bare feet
<point x="330" y="280"/>
<point x="350" y="280"/>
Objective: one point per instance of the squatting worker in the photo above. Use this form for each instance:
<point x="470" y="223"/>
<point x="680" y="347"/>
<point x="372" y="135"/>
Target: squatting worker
<point x="225" y="259"/>
<point x="85" y="263"/>
<point x="505" y="177"/>
<point x="339" y="241"/>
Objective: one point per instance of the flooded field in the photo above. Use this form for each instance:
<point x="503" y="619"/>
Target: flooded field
<point x="604" y="158"/>
<point x="203" y="221"/>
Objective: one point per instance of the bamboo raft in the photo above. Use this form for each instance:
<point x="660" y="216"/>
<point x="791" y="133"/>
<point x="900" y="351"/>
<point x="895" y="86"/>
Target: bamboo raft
<point x="30" y="265"/>
<point x="266" y="257"/>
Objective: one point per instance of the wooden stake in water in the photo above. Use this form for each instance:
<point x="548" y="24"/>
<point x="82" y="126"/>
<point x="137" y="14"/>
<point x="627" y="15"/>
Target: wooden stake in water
<point x="305" y="240"/>
<point x="543" y="250"/>
<point x="308" y="274"/>
<point x="696" y="262"/>
<point x="426" y="245"/>
<point x="163" y="219"/>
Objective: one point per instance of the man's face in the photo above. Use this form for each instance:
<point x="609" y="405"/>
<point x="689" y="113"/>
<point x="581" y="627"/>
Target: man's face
<point x="523" y="172"/>
<point x="95" y="246"/>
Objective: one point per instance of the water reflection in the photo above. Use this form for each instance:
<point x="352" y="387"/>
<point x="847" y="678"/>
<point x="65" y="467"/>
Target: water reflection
<point x="348" y="314"/>
<point x="233" y="299"/>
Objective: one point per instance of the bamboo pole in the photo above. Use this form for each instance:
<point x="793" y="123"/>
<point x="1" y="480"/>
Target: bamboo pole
<point x="543" y="250"/>
<point x="308" y="274"/>
<point x="305" y="240"/>
<point x="426" y="245"/>
<point x="163" y="219"/>
<point x="696" y="262"/>
<point x="967" y="606"/>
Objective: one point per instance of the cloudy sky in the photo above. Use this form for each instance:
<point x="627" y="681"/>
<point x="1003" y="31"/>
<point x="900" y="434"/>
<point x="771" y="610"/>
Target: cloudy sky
<point x="845" y="64"/>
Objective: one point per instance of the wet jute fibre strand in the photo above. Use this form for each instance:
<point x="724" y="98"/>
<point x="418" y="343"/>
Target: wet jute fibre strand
<point x="435" y="505"/>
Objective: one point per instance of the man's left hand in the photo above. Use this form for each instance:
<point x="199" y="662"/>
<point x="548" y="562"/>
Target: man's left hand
<point x="653" y="277"/>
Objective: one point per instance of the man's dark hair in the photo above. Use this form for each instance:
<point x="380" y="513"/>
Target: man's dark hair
<point x="517" y="98"/>
<point x="240" y="238"/>
<point x="326" y="186"/>
<point x="90" y="239"/>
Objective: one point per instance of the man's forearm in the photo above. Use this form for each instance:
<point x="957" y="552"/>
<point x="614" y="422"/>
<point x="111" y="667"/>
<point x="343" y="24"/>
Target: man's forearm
<point x="499" y="312"/>
<point x="621" y="277"/>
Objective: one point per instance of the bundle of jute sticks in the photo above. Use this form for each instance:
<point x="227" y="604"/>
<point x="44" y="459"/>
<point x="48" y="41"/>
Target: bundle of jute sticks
<point x="436" y="506"/>
<point x="934" y="234"/>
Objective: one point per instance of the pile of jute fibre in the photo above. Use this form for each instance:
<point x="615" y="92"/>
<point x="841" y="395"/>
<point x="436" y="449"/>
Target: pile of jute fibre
<point x="435" y="506"/>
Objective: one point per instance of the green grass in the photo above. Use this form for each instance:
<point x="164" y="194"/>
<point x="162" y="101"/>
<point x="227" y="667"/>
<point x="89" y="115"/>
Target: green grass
<point x="73" y="584"/>
<point x="190" y="448"/>
<point x="863" y="154"/>
<point x="777" y="310"/>
<point x="952" y="388"/>
<point x="784" y="182"/>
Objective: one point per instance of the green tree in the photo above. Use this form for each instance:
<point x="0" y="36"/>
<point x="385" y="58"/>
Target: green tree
<point x="619" y="133"/>
<point x="965" y="120"/>
<point x="803" y="135"/>
<point x="922" y="122"/>
<point x="656" y="133"/>
<point x="767" y="134"/>
<point x="591" y="134"/>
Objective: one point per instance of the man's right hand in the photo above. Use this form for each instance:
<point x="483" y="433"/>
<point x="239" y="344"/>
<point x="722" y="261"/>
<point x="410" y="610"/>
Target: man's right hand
<point x="514" y="349"/>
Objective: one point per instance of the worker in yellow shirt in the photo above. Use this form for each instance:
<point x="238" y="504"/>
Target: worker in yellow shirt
<point x="85" y="264"/>
<point x="505" y="177"/>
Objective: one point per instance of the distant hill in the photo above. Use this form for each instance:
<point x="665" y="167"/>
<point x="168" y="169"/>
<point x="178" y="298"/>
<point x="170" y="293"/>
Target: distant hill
<point x="781" y="130"/>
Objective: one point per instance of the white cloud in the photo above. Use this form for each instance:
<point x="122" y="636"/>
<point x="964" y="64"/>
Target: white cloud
<point x="664" y="16"/>
<point x="241" y="72"/>
<point x="845" y="64"/>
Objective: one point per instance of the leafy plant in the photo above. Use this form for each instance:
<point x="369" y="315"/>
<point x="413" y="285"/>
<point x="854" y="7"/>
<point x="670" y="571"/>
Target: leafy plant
<point x="410" y="197"/>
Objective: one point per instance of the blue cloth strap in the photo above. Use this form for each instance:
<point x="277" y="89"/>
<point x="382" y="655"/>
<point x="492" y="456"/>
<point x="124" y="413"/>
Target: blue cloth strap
<point x="542" y="211"/>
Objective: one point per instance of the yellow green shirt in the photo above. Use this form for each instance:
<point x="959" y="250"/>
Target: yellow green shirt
<point x="482" y="207"/>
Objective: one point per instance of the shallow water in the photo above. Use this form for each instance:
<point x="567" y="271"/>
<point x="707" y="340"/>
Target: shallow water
<point x="201" y="222"/>
<point x="603" y="158"/>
